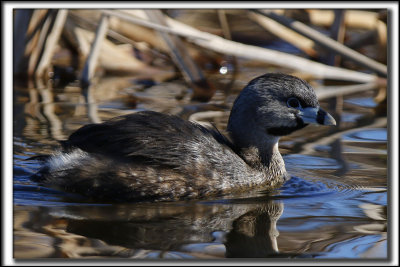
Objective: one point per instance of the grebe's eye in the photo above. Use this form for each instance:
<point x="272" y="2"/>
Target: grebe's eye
<point x="293" y="103"/>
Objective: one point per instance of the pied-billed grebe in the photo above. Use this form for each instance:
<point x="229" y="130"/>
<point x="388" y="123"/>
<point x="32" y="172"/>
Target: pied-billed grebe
<point x="153" y="156"/>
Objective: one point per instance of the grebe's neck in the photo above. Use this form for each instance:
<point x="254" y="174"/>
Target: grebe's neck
<point x="260" y="153"/>
<point x="266" y="162"/>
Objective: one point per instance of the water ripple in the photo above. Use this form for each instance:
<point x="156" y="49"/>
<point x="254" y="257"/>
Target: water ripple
<point x="298" y="187"/>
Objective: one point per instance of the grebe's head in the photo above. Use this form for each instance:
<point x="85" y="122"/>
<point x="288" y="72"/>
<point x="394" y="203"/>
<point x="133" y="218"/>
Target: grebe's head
<point x="274" y="105"/>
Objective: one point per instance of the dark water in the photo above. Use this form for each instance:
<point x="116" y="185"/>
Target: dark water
<point x="334" y="207"/>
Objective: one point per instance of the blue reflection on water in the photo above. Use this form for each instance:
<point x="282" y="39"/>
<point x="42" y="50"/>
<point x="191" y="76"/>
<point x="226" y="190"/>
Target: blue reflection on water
<point x="370" y="135"/>
<point x="366" y="102"/>
<point x="307" y="162"/>
<point x="350" y="117"/>
<point x="353" y="248"/>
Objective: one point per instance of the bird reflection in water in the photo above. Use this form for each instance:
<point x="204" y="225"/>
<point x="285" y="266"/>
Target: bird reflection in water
<point x="162" y="231"/>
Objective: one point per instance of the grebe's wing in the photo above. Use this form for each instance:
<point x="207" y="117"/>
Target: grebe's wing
<point x="148" y="137"/>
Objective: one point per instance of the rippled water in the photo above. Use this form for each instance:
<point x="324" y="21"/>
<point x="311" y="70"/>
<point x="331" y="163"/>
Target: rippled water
<point x="335" y="205"/>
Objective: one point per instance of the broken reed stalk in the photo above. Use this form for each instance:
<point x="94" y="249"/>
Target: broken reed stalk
<point x="92" y="58"/>
<point x="51" y="42"/>
<point x="143" y="21"/>
<point x="325" y="92"/>
<point x="337" y="33"/>
<point x="224" y="46"/>
<point x="36" y="33"/>
<point x="326" y="42"/>
<point x="284" y="33"/>
<point x="28" y="26"/>
<point x="223" y="21"/>
<point x="193" y="75"/>
<point x="39" y="38"/>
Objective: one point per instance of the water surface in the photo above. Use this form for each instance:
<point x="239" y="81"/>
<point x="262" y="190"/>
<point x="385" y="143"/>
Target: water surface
<point x="334" y="207"/>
